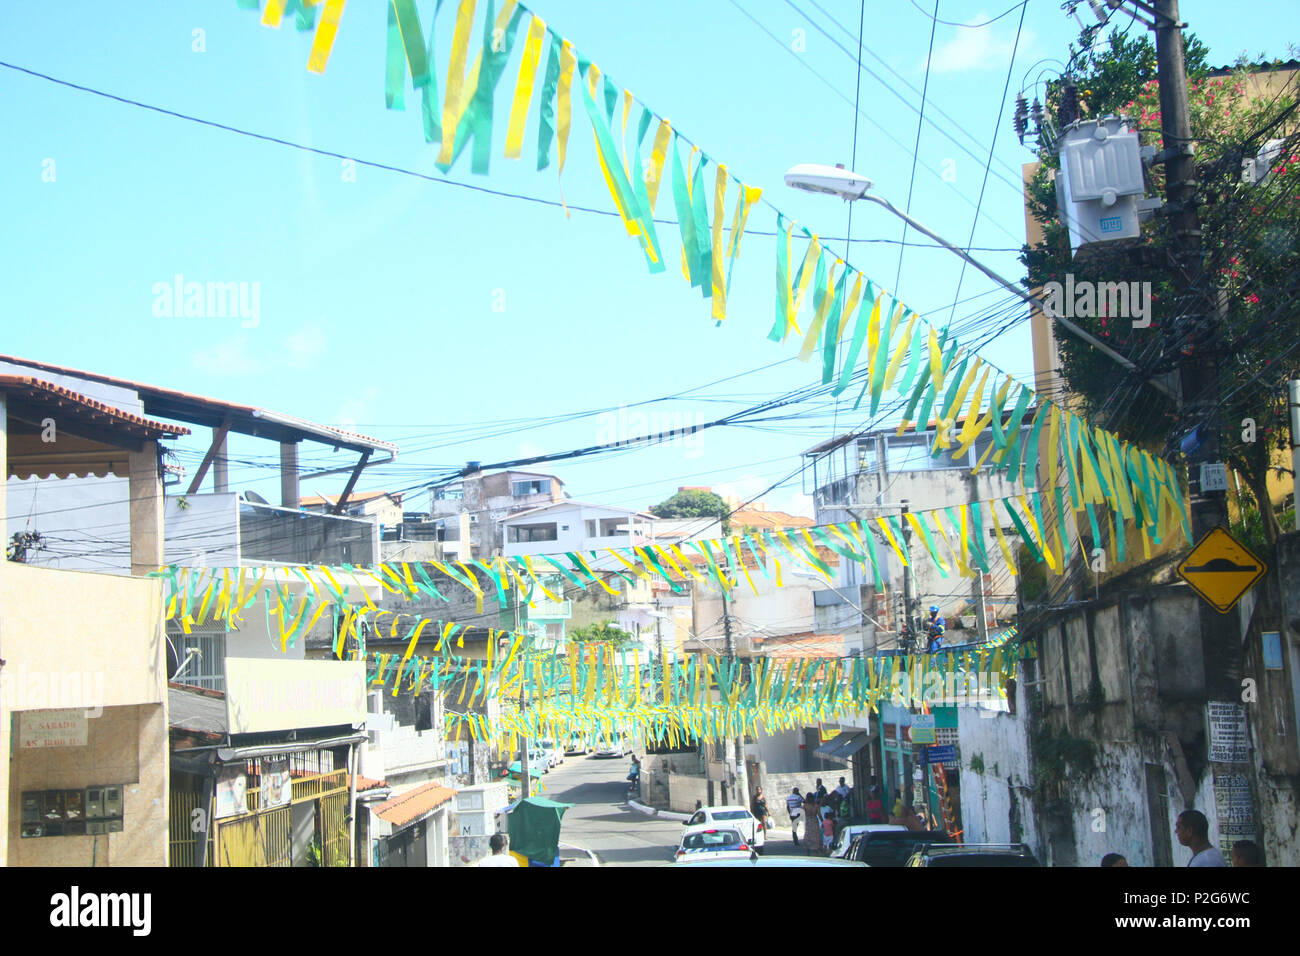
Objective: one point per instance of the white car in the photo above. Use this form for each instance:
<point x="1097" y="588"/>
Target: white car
<point x="738" y="817"/>
<point x="841" y="846"/>
<point x="613" y="748"/>
<point x="714" y="843"/>
<point x="554" y="753"/>
<point x="575" y="746"/>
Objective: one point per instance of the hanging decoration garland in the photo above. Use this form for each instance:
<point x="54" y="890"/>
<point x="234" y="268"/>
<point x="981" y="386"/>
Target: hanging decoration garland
<point x="598" y="690"/>
<point x="900" y="352"/>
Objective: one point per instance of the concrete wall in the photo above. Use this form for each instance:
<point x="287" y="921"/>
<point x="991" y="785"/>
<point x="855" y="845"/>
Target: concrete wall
<point x="124" y="745"/>
<point x="994" y="773"/>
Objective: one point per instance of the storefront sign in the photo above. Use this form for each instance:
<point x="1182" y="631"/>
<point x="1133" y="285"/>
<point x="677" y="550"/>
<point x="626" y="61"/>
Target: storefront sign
<point x="923" y="729"/>
<point x="267" y="695"/>
<point x="53" y="728"/>
<point x="941" y="755"/>
<point x="1227" y="732"/>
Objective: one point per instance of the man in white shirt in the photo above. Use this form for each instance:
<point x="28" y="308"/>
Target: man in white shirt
<point x="1193" y="832"/>
<point x="499" y="855"/>
<point x="843" y="788"/>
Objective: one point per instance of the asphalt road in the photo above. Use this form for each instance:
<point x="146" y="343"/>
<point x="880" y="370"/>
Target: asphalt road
<point x="600" y="819"/>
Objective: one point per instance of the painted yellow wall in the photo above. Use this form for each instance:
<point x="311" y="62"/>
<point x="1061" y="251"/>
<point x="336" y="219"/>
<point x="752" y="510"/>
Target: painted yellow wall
<point x="92" y="641"/>
<point x="57" y="624"/>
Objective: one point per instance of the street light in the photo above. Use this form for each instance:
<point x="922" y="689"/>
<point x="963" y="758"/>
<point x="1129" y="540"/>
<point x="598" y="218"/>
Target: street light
<point x="848" y="185"/>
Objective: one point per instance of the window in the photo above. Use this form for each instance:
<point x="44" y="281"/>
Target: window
<point x="536" y="486"/>
<point x="449" y="493"/>
<point x="591" y="527"/>
<point x="205" y="667"/>
<point x="524" y="533"/>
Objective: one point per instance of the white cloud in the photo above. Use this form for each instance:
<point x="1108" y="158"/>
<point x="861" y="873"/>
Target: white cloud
<point x="304" y="346"/>
<point x="357" y="409"/>
<point x="231" y="357"/>
<point x="980" y="48"/>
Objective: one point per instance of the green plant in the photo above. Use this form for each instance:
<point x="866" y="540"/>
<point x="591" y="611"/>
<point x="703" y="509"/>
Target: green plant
<point x="977" y="763"/>
<point x="1059" y="753"/>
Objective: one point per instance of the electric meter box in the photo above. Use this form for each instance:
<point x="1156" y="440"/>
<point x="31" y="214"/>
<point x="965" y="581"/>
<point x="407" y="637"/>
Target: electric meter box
<point x="1100" y="182"/>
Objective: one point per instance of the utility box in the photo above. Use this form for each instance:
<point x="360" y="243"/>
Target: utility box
<point x="1100" y="183"/>
<point x="477" y="808"/>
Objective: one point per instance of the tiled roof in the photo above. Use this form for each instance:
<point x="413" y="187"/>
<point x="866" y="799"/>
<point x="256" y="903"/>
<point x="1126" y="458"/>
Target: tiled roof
<point x="409" y="806"/>
<point x="41" y="392"/>
<point x="802" y="645"/>
<point x="366" y="783"/>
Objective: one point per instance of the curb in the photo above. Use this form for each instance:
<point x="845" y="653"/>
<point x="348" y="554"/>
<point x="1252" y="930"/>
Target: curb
<point x="653" y="812"/>
<point x="595" y="861"/>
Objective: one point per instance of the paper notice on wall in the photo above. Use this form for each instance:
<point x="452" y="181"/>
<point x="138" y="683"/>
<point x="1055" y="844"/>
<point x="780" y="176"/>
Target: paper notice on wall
<point x="1236" y="815"/>
<point x="1227" y="732"/>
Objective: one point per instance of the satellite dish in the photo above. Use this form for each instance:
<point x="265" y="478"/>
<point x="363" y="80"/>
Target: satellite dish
<point x="255" y="498"/>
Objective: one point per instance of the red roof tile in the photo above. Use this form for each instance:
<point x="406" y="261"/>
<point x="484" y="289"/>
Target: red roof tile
<point x="409" y="806"/>
<point x="43" y="392"/>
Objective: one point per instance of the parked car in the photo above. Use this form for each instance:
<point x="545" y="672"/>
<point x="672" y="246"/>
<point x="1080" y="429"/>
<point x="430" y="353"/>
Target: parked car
<point x="738" y="817"/>
<point x="974" y="854"/>
<point x="892" y="847"/>
<point x="840" y="848"/>
<point x="576" y="746"/>
<point x="714" y="842"/>
<point x="740" y="859"/>
<point x="613" y="748"/>
<point x="539" y="758"/>
<point x="554" y="753"/>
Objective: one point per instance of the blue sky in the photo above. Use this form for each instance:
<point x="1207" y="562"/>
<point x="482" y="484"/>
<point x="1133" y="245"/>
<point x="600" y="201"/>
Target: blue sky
<point x="420" y="312"/>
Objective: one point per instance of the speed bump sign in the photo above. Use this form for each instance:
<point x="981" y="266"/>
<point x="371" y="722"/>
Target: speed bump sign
<point x="1221" y="569"/>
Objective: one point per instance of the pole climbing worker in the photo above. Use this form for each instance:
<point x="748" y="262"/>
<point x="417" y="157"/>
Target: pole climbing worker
<point x="934" y="629"/>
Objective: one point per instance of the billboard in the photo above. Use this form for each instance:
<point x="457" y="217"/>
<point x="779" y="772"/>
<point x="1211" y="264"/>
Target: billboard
<point x="268" y="695"/>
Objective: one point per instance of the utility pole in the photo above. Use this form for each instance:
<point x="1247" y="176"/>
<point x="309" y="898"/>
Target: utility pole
<point x="981" y="608"/>
<point x="525" y="781"/>
<point x="1220" y="639"/>
<point x="908" y="637"/>
<point x="733" y="747"/>
<point x="1293" y="403"/>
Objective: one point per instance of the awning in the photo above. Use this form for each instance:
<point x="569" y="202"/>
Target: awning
<point x="845" y="745"/>
<point x="826" y="749"/>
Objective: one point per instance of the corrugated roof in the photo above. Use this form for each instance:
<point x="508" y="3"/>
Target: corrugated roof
<point x="410" y="806"/>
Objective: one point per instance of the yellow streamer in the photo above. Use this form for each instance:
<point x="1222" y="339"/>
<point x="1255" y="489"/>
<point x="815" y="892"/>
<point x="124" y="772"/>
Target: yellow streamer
<point x="327" y="29"/>
<point x="524" y="87"/>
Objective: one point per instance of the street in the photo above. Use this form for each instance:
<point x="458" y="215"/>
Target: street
<point x="600" y="820"/>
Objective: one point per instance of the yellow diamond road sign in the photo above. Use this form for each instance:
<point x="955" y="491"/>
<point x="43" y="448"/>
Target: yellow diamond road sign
<point x="1220" y="569"/>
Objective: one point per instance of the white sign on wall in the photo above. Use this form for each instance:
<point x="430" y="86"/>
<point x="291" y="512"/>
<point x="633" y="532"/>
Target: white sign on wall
<point x="267" y="695"/>
<point x="53" y="728"/>
<point x="1227" y="732"/>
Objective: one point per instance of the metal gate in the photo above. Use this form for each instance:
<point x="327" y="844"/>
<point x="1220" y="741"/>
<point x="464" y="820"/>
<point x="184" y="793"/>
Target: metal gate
<point x="262" y="839"/>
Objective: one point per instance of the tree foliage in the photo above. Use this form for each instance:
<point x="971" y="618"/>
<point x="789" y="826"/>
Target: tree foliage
<point x="1251" y="261"/>
<point x="693" y="503"/>
<point x="600" y="632"/>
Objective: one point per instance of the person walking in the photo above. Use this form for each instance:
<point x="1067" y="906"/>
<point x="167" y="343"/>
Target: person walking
<point x="499" y="855"/>
<point x="794" y="807"/>
<point x="759" y="808"/>
<point x="634" y="777"/>
<point x="812" y="810"/>
<point x="1193" y="832"/>
<point x="875" y="803"/>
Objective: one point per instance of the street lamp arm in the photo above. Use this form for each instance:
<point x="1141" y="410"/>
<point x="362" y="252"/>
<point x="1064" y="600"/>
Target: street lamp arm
<point x="1015" y="290"/>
